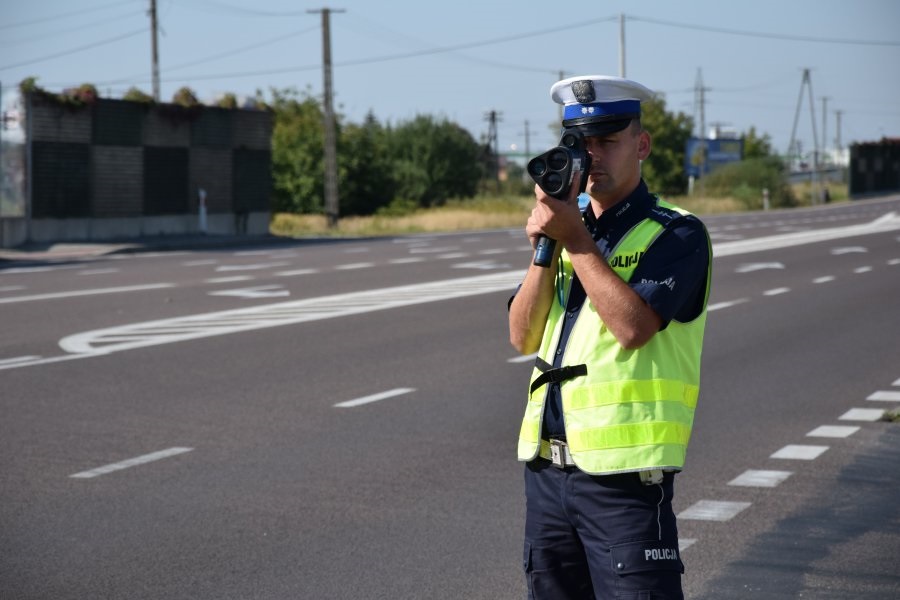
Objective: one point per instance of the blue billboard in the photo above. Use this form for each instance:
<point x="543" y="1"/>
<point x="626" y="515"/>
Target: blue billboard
<point x="702" y="156"/>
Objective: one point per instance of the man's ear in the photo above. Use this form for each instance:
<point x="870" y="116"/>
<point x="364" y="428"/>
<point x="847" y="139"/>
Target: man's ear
<point x="644" y="144"/>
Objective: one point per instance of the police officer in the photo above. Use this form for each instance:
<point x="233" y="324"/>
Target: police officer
<point x="617" y="323"/>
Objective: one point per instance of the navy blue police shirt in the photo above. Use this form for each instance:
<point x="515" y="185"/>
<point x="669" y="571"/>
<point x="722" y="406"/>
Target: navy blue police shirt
<point x="670" y="277"/>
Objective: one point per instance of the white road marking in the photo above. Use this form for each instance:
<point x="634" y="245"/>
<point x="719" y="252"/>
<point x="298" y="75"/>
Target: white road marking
<point x="230" y="279"/>
<point x="404" y="261"/>
<point x="18" y="359"/>
<point x="97" y="271"/>
<point x="523" y="359"/>
<point x="752" y="478"/>
<point x="685" y="543"/>
<point x="482" y="265"/>
<point x="261" y="291"/>
<point x="39" y="269"/>
<point x="493" y="251"/>
<point x="894" y="261"/>
<point x="12" y="288"/>
<point x="848" y="250"/>
<point x="750" y="267"/>
<point x="721" y="305"/>
<point x="896" y="382"/>
<point x="251" y="267"/>
<point x="862" y="414"/>
<point x="94" y="292"/>
<point x="824" y="279"/>
<point x="353" y="266"/>
<point x="374" y="398"/>
<point x="865" y="269"/>
<point x="713" y="510"/>
<point x="776" y="291"/>
<point x="131" y="462"/>
<point x="296" y="272"/>
<point x="199" y="263"/>
<point x="881" y="395"/>
<point x="887" y="222"/>
<point x="799" y="452"/>
<point x="833" y="431"/>
<point x="452" y="255"/>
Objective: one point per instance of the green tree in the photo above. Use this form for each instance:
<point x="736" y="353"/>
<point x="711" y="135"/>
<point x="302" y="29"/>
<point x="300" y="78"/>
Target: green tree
<point x="435" y="160"/>
<point x="756" y="146"/>
<point x="664" y="168"/>
<point x="297" y="156"/>
<point x="366" y="179"/>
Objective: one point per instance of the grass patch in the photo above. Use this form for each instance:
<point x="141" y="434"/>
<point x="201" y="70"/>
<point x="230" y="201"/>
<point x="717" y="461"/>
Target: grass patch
<point x="891" y="416"/>
<point x="481" y="212"/>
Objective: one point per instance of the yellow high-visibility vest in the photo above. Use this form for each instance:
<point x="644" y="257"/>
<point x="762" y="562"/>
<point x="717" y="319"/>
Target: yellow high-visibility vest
<point x="624" y="410"/>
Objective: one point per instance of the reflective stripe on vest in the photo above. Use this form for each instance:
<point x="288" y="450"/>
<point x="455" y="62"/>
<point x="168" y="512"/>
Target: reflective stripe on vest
<point x="633" y="409"/>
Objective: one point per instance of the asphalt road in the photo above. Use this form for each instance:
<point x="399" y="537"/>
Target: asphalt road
<point x="332" y="420"/>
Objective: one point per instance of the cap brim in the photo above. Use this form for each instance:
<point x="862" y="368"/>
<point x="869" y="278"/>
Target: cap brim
<point x="593" y="126"/>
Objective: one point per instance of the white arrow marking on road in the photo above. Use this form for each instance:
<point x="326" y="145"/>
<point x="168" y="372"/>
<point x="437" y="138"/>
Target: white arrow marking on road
<point x="263" y="291"/>
<point x="750" y="267"/>
<point x="848" y="250"/>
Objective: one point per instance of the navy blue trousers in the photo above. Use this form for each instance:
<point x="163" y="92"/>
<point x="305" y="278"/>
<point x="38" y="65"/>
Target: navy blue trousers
<point x="599" y="537"/>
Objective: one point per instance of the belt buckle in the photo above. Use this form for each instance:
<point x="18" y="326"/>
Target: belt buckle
<point x="558" y="453"/>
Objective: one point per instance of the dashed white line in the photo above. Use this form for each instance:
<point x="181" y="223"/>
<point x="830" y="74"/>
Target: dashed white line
<point x="799" y="452"/>
<point x="12" y="288"/>
<point x="833" y="431"/>
<point x="776" y="291"/>
<point x="251" y="267"/>
<point x="685" y="543"/>
<point x="199" y="263"/>
<point x="97" y="271"/>
<point x="296" y="272"/>
<point x="862" y="414"/>
<point x="131" y="462"/>
<point x="894" y="261"/>
<point x="353" y="266"/>
<point x="229" y="279"/>
<point x="865" y="269"/>
<point x="713" y="510"/>
<point x="881" y="395"/>
<point x="730" y="303"/>
<point x="754" y="478"/>
<point x="94" y="292"/>
<point x="404" y="261"/>
<point x="522" y="359"/>
<point x="824" y="279"/>
<point x="374" y="398"/>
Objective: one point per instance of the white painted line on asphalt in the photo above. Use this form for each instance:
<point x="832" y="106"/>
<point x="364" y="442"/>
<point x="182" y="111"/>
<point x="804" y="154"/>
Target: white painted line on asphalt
<point x="199" y="263"/>
<point x="685" y="543"/>
<point x="713" y="510"/>
<point x="404" y="261"/>
<point x="862" y="414"/>
<point x="131" y="462"/>
<point x="353" y="266"/>
<point x="230" y="279"/>
<point x="260" y="291"/>
<point x="97" y="271"/>
<point x="865" y="269"/>
<point x="751" y="267"/>
<point x="374" y="398"/>
<point x="776" y="291"/>
<point x="729" y="304"/>
<point x="881" y="395"/>
<point x="833" y="431"/>
<point x="38" y="269"/>
<point x="493" y="251"/>
<point x="452" y="255"/>
<point x="94" y="292"/>
<point x="848" y="250"/>
<point x="523" y="359"/>
<point x="296" y="272"/>
<point x="825" y="279"/>
<point x="12" y="288"/>
<point x="251" y="267"/>
<point x="894" y="261"/>
<point x="799" y="452"/>
<point x="18" y="359"/>
<point x="896" y="382"/>
<point x="753" y="478"/>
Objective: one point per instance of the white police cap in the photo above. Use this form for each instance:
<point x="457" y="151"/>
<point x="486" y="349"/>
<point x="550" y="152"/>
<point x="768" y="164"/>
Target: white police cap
<point x="599" y="104"/>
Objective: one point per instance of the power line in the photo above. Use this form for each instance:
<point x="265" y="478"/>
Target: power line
<point x="80" y="11"/>
<point x="218" y="6"/>
<point x="79" y="28"/>
<point x="74" y="50"/>
<point x="773" y="36"/>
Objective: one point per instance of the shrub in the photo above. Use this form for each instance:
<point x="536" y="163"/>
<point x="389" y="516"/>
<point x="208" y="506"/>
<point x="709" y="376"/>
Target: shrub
<point x="746" y="180"/>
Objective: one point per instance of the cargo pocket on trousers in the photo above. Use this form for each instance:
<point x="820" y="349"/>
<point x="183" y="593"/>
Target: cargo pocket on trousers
<point x="647" y="570"/>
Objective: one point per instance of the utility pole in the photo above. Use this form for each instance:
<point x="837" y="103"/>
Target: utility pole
<point x="837" y="139"/>
<point x="525" y="175"/>
<point x="622" y="45"/>
<point x="700" y="106"/>
<point x="807" y="83"/>
<point x="154" y="28"/>
<point x="492" y="117"/>
<point x="332" y="203"/>
<point x="824" y="124"/>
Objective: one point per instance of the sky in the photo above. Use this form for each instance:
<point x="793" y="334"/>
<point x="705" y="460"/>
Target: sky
<point x="463" y="59"/>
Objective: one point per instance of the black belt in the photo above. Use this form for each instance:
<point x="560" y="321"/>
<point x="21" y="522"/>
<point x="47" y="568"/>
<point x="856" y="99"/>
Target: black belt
<point x="551" y="374"/>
